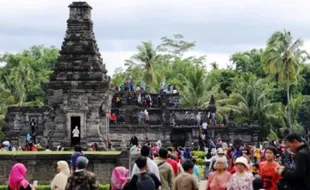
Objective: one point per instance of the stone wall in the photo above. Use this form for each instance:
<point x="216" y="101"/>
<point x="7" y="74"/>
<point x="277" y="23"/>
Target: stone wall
<point x="43" y="167"/>
<point x="18" y="124"/>
<point x="121" y="134"/>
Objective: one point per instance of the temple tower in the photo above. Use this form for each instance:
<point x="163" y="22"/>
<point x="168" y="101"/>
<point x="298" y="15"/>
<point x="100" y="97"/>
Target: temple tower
<point x="78" y="90"/>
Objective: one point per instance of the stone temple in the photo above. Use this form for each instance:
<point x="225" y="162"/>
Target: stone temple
<point x="79" y="95"/>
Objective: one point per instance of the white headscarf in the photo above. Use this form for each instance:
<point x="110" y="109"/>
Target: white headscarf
<point x="60" y="180"/>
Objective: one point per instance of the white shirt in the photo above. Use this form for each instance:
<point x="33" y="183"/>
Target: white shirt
<point x="204" y="125"/>
<point x="76" y="133"/>
<point x="151" y="166"/>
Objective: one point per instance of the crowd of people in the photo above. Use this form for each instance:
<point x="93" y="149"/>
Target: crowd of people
<point x="139" y="96"/>
<point x="264" y="166"/>
<point x="268" y="166"/>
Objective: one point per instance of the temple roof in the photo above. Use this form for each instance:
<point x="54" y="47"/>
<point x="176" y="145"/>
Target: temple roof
<point x="79" y="61"/>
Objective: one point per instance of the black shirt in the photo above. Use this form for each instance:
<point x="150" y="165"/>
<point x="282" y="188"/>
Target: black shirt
<point x="132" y="185"/>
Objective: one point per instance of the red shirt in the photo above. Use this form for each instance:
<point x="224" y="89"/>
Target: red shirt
<point x="267" y="171"/>
<point x="113" y="117"/>
<point x="174" y="165"/>
<point x="232" y="169"/>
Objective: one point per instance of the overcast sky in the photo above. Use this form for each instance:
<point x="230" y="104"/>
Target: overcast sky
<point x="219" y="27"/>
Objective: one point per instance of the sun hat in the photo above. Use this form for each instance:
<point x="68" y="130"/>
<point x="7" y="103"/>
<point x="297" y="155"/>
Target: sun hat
<point x="242" y="160"/>
<point x="220" y="151"/>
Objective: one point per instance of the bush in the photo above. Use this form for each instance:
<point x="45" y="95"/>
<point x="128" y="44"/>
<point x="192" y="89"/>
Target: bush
<point x="199" y="161"/>
<point x="199" y="154"/>
<point x="44" y="187"/>
<point x="48" y="187"/>
<point x="104" y="187"/>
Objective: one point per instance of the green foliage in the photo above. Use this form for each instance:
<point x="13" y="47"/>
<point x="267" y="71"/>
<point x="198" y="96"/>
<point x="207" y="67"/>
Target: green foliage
<point x="22" y="76"/>
<point x="199" y="161"/>
<point x="264" y="86"/>
<point x="198" y="154"/>
<point x="24" y="73"/>
<point x="249" y="61"/>
<point x="104" y="187"/>
<point x="48" y="187"/>
<point x="282" y="59"/>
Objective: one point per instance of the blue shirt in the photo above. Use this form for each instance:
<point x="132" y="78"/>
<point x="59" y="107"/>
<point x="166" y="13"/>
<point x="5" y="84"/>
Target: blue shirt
<point x="196" y="172"/>
<point x="74" y="157"/>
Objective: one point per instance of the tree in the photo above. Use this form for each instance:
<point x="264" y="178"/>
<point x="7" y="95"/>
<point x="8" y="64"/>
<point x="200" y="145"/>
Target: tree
<point x="196" y="92"/>
<point x="249" y="61"/>
<point x="20" y="79"/>
<point x="249" y="98"/>
<point x="214" y="66"/>
<point x="24" y="73"/>
<point x="282" y="58"/>
<point x="304" y="115"/>
<point x="147" y="56"/>
<point x="175" y="47"/>
<point x="296" y="104"/>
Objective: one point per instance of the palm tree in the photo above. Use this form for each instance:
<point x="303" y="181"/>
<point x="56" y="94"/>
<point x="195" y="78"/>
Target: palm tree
<point x="296" y="104"/>
<point x="196" y="92"/>
<point x="147" y="56"/>
<point x="249" y="99"/>
<point x="19" y="79"/>
<point x="282" y="58"/>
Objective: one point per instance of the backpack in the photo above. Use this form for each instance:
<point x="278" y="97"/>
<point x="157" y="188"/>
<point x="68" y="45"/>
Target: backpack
<point x="145" y="182"/>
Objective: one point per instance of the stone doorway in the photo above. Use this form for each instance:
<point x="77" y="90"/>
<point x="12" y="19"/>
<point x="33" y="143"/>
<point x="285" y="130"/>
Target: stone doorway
<point x="178" y="137"/>
<point x="75" y="122"/>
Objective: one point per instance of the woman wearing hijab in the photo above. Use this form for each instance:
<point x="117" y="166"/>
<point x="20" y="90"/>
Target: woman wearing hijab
<point x="17" y="179"/>
<point x="60" y="180"/>
<point x="119" y="178"/>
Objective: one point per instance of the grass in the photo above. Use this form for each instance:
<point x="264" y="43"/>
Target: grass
<point x="57" y="152"/>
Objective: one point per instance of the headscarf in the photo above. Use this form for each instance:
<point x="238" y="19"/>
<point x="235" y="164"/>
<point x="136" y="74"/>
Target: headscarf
<point x="17" y="176"/>
<point x="119" y="178"/>
<point x="60" y="180"/>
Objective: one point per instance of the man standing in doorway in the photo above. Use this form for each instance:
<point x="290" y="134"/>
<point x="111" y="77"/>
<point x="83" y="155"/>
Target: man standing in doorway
<point x="76" y="136"/>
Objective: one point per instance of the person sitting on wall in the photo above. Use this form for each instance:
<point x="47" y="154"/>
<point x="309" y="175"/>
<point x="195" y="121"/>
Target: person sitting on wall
<point x="148" y="100"/>
<point x="186" y="118"/>
<point x="141" y="117"/>
<point x="134" y="141"/>
<point x="110" y="118"/>
<point x="113" y="118"/>
<point x="118" y="101"/>
<point x="138" y="89"/>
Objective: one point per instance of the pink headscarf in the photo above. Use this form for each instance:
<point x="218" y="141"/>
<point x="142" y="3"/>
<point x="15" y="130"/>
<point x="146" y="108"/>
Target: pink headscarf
<point x="119" y="178"/>
<point x="17" y="176"/>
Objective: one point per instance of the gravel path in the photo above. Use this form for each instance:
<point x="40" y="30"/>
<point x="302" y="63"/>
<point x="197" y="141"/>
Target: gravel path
<point x="202" y="184"/>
